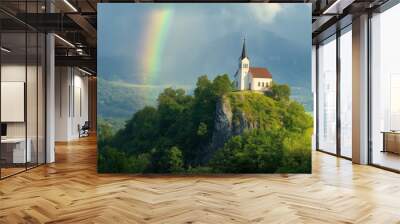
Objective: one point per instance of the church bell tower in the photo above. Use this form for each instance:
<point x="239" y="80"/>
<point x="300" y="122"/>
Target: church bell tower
<point x="244" y="65"/>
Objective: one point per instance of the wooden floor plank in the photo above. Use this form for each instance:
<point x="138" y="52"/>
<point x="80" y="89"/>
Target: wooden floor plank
<point x="71" y="191"/>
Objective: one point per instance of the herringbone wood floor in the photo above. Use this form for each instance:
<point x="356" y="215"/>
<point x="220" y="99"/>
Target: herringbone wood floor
<point x="70" y="191"/>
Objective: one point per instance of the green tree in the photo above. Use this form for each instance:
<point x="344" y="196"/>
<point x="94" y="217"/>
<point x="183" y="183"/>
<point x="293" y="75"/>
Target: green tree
<point x="175" y="160"/>
<point x="221" y="85"/>
<point x="295" y="118"/>
<point x="112" y="160"/>
<point x="140" y="132"/>
<point x="171" y="103"/>
<point x="167" y="160"/>
<point x="138" y="164"/>
<point x="297" y="153"/>
<point x="202" y="130"/>
<point x="253" y="152"/>
<point x="104" y="132"/>
<point x="279" y="92"/>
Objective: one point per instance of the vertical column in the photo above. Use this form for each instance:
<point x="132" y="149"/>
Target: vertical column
<point x="50" y="92"/>
<point x="316" y="104"/>
<point x="314" y="92"/>
<point x="360" y="90"/>
<point x="50" y="98"/>
<point x="338" y="91"/>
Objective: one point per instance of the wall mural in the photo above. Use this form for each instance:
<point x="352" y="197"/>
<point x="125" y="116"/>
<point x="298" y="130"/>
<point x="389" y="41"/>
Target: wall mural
<point x="204" y="88"/>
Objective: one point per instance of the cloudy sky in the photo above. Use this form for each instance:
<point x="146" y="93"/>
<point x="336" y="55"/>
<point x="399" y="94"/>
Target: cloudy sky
<point x="187" y="40"/>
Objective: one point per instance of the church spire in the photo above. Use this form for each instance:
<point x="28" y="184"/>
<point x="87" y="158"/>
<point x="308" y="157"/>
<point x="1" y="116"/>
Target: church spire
<point x="244" y="51"/>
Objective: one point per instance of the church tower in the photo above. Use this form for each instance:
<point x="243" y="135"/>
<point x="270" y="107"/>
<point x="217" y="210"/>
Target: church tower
<point x="243" y="70"/>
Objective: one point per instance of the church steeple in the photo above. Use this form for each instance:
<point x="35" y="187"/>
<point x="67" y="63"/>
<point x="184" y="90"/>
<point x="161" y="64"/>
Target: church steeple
<point x="243" y="70"/>
<point x="244" y="50"/>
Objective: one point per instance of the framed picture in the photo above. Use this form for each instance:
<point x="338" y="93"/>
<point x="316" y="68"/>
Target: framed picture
<point x="204" y="88"/>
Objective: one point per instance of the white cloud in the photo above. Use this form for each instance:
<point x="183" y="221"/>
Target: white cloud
<point x="266" y="12"/>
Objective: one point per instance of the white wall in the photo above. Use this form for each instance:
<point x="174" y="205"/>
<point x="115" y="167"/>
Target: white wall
<point x="12" y="73"/>
<point x="16" y="73"/>
<point x="242" y="74"/>
<point x="62" y="82"/>
<point x="71" y="102"/>
<point x="80" y="112"/>
<point x="267" y="84"/>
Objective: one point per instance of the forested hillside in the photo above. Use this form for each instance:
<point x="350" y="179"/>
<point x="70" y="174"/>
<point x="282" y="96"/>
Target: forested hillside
<point x="118" y="101"/>
<point x="213" y="130"/>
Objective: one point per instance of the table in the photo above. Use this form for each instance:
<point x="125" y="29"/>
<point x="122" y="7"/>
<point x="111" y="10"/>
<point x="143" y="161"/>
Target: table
<point x="391" y="141"/>
<point x="13" y="150"/>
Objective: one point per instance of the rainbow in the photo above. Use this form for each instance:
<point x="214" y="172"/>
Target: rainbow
<point x="153" y="43"/>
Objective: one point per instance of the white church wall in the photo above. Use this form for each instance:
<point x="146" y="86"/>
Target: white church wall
<point x="257" y="84"/>
<point x="246" y="81"/>
<point x="241" y="78"/>
<point x="243" y="71"/>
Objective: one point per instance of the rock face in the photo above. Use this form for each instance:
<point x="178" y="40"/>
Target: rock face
<point x="238" y="112"/>
<point x="228" y="122"/>
<point x="223" y="125"/>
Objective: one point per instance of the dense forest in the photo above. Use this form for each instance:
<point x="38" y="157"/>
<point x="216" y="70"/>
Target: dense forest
<point x="127" y="98"/>
<point x="266" y="133"/>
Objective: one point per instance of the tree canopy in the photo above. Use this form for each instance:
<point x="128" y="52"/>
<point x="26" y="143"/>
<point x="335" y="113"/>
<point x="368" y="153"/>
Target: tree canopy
<point x="175" y="135"/>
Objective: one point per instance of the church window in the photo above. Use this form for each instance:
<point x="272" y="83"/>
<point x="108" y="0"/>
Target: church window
<point x="259" y="84"/>
<point x="263" y="84"/>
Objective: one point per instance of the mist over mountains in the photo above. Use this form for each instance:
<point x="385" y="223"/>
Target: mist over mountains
<point x="289" y="63"/>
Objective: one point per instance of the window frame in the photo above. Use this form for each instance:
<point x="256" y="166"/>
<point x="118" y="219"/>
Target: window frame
<point x="335" y="37"/>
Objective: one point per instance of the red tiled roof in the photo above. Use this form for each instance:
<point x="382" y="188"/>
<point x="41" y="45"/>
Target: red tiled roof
<point x="260" y="72"/>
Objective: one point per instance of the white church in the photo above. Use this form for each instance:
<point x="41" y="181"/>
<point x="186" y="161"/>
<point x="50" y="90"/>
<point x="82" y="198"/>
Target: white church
<point x="251" y="78"/>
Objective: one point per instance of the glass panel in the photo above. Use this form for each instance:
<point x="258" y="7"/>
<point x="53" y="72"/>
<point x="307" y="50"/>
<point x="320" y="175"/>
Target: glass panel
<point x="31" y="88"/>
<point x="31" y="98"/>
<point x="13" y="86"/>
<point x="385" y="84"/>
<point x="41" y="99"/>
<point x="346" y="93"/>
<point x="327" y="96"/>
<point x="23" y="91"/>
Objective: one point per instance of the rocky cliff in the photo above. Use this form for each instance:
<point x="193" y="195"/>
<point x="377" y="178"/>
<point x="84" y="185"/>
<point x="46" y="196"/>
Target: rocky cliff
<point x="238" y="112"/>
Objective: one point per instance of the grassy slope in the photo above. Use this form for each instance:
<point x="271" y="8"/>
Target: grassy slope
<point x="255" y="106"/>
